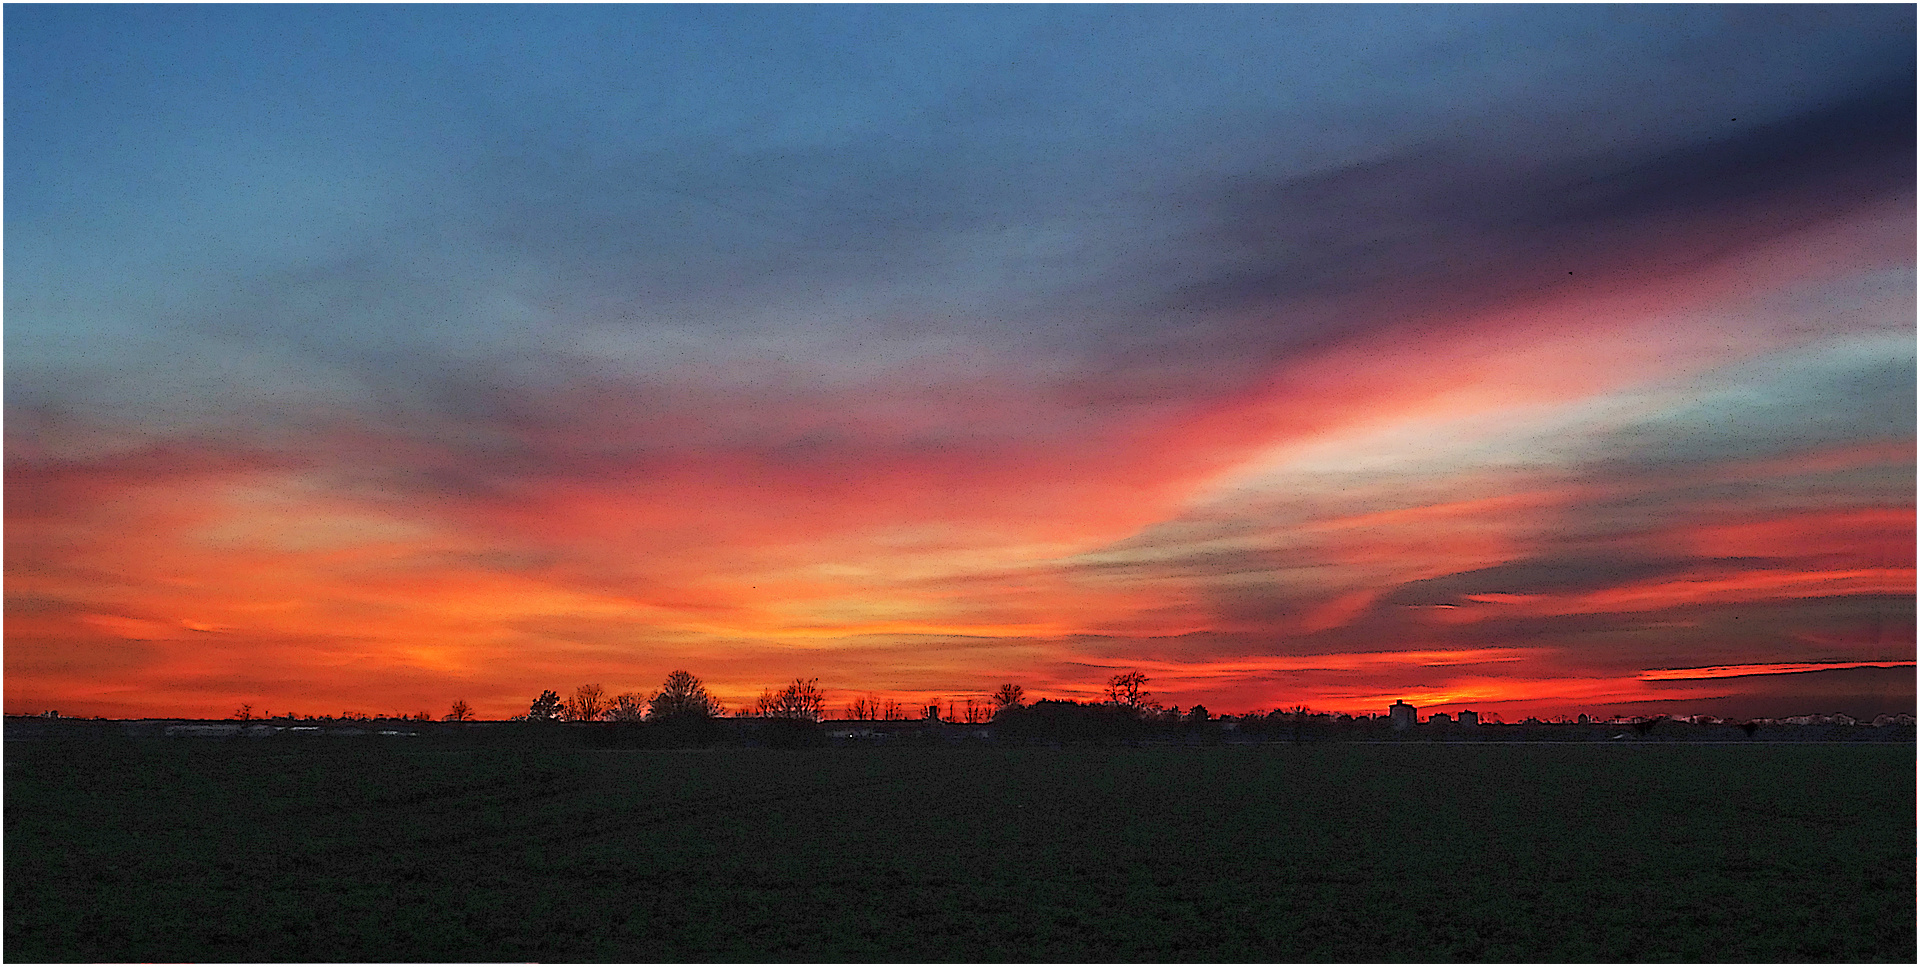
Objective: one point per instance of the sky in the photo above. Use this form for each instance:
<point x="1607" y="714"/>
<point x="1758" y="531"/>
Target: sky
<point x="1537" y="360"/>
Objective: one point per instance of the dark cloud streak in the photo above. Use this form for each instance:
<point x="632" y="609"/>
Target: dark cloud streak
<point x="1450" y="225"/>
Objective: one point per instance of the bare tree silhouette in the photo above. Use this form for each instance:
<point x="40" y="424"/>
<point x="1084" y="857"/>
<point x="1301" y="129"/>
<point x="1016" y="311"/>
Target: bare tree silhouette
<point x="588" y="703"/>
<point x="627" y="707"/>
<point x="801" y="700"/>
<point x="1009" y="696"/>
<point x="1128" y="690"/>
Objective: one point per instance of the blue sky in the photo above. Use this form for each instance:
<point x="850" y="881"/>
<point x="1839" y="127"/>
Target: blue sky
<point x="918" y="314"/>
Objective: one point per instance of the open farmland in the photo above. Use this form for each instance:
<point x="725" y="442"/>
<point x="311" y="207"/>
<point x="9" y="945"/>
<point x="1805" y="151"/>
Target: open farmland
<point x="392" y="850"/>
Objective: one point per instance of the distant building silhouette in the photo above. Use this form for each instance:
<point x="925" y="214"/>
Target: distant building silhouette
<point x="1583" y="720"/>
<point x="1469" y="717"/>
<point x="1440" y="718"/>
<point x="1834" y="719"/>
<point x="933" y="713"/>
<point x="1401" y="714"/>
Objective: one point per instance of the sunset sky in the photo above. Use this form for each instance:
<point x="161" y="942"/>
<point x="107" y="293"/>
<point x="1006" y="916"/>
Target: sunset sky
<point x="1535" y="360"/>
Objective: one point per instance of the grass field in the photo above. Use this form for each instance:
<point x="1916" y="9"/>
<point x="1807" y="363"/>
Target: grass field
<point x="376" y="850"/>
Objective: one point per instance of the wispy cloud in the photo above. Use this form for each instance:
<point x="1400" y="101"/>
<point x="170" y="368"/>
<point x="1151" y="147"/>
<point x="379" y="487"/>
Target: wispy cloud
<point x="933" y="346"/>
<point x="1777" y="668"/>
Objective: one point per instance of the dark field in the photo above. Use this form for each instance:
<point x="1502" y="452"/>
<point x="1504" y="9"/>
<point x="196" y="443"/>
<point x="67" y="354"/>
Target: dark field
<point x="389" y="850"/>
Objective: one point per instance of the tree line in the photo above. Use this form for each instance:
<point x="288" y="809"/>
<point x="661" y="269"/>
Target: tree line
<point x="684" y="696"/>
<point x="681" y="696"/>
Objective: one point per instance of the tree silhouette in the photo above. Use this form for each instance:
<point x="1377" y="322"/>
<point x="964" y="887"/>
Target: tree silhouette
<point x="892" y="711"/>
<point x="460" y="712"/>
<point x="1300" y="714"/>
<point x="1057" y="720"/>
<point x="1128" y="690"/>
<point x="801" y="700"/>
<point x="1198" y="713"/>
<point x="627" y="707"/>
<point x="588" y="703"/>
<point x="683" y="696"/>
<point x="865" y="709"/>
<point x="1009" y="696"/>
<point x="546" y="708"/>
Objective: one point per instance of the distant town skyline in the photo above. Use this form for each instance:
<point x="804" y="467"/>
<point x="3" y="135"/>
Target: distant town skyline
<point x="1536" y="360"/>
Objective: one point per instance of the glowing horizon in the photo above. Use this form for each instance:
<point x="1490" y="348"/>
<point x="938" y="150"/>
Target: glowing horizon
<point x="889" y="347"/>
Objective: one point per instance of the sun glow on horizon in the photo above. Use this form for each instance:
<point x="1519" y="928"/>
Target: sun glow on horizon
<point x="457" y="406"/>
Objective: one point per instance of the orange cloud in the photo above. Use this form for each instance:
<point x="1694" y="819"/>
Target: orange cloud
<point x="748" y="529"/>
<point x="1882" y="535"/>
